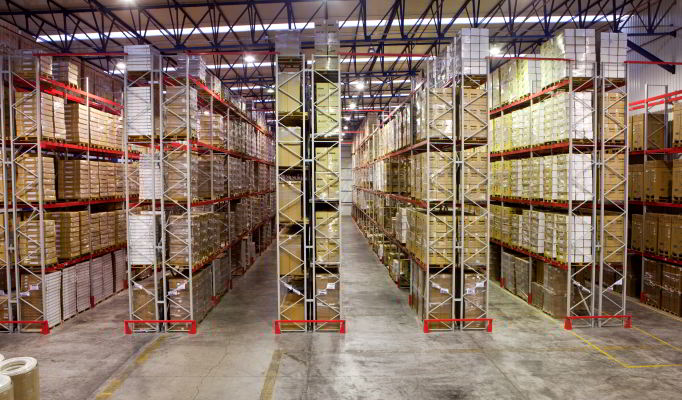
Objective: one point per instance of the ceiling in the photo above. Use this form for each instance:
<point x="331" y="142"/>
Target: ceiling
<point x="412" y="27"/>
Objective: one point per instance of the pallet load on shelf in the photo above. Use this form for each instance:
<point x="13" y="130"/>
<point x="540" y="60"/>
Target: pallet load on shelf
<point x="473" y="119"/>
<point x="67" y="233"/>
<point x="613" y="244"/>
<point x="180" y="113"/>
<point x="120" y="270"/>
<point x="328" y="302"/>
<point x="27" y="182"/>
<point x="96" y="280"/>
<point x="145" y="293"/>
<point x="142" y="111"/>
<point x="69" y="292"/>
<point x="657" y="233"/>
<point x="475" y="173"/>
<point x="73" y="179"/>
<point x="30" y="242"/>
<point x="655" y="124"/>
<point x="150" y="178"/>
<point x="440" y="180"/>
<point x="25" y="64"/>
<point x="657" y="180"/>
<point x="192" y="65"/>
<point x="613" y="119"/>
<point x="440" y="108"/>
<point x="613" y="54"/>
<point x="440" y="237"/>
<point x="35" y="307"/>
<point x="120" y="231"/>
<point x="211" y="129"/>
<point x="327" y="239"/>
<point x="179" y="301"/>
<point x="677" y="126"/>
<point x="141" y="58"/>
<point x="328" y="115"/>
<point x="82" y="286"/>
<point x="66" y="70"/>
<point x="179" y="239"/>
<point x="578" y="45"/>
<point x="471" y="49"/>
<point x="652" y="276"/>
<point x="327" y="43"/>
<point x="290" y="205"/>
<point x="142" y="242"/>
<point x="326" y="172"/>
<point x="671" y="289"/>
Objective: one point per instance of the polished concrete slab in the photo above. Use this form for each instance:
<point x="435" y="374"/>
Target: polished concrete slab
<point x="384" y="355"/>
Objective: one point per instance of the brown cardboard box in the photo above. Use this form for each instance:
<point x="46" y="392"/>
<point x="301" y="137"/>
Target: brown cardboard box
<point x="144" y="299"/>
<point x="537" y="292"/>
<point x="290" y="254"/>
<point x="671" y="288"/>
<point x="554" y="304"/>
<point x="636" y="181"/>
<point x="650" y="233"/>
<point x="327" y="299"/>
<point x="614" y="237"/>
<point x="676" y="237"/>
<point x="637" y="227"/>
<point x="677" y="177"/>
<point x="614" y="177"/>
<point x="289" y="146"/>
<point x="652" y="275"/>
<point x="677" y="124"/>
<point x="289" y="93"/>
<point x="657" y="180"/>
<point x="292" y="307"/>
<point x="664" y="235"/>
<point x="654" y="128"/>
<point x="474" y="300"/>
<point x="290" y="202"/>
<point x="440" y="302"/>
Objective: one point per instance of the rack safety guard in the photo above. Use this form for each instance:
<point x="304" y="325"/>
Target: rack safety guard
<point x="568" y="325"/>
<point x="341" y="322"/>
<point x="45" y="329"/>
<point x="192" y="329"/>
<point x="489" y="325"/>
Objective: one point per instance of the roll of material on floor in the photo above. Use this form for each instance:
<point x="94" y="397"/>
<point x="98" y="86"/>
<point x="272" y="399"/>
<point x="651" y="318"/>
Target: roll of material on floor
<point x="6" y="390"/>
<point x="24" y="374"/>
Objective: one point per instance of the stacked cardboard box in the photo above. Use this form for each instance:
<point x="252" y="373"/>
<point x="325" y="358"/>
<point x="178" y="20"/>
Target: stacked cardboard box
<point x="657" y="180"/>
<point x="145" y="294"/>
<point x="475" y="173"/>
<point x="613" y="244"/>
<point x="555" y="289"/>
<point x="180" y="117"/>
<point x="66" y="70"/>
<point x="440" y="182"/>
<point x="107" y="179"/>
<point x="327" y="169"/>
<point x="107" y="229"/>
<point x="652" y="274"/>
<point x="438" y="246"/>
<point x="82" y="286"/>
<point x="211" y="129"/>
<point x="614" y="177"/>
<point x="612" y="54"/>
<point x="580" y="238"/>
<point x="613" y="119"/>
<point x="677" y="124"/>
<point x="121" y="233"/>
<point x="141" y="58"/>
<point x="150" y="180"/>
<point x="327" y="236"/>
<point x="522" y="271"/>
<point x="328" y="299"/>
<point x="29" y="113"/>
<point x="654" y="133"/>
<point x="474" y="115"/>
<point x="139" y="105"/>
<point x="578" y="45"/>
<point x="671" y="289"/>
<point x="289" y="96"/>
<point x="471" y="47"/>
<point x="178" y="170"/>
<point x="27" y="183"/>
<point x="192" y="65"/>
<point x="143" y="238"/>
<point x="28" y="66"/>
<point x="73" y="179"/>
<point x="290" y="204"/>
<point x="181" y="237"/>
<point x="579" y="168"/>
<point x="30" y="242"/>
<point x="35" y="307"/>
<point x="67" y="230"/>
<point x="676" y="184"/>
<point x="69" y="292"/>
<point x="181" y="306"/>
<point x="636" y="181"/>
<point x="328" y="110"/>
<point x="95" y="235"/>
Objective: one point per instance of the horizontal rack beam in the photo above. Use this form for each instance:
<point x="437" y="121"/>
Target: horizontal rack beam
<point x="555" y="263"/>
<point x="548" y="204"/>
<point x="85" y="257"/>
<point x="204" y="202"/>
<point x="655" y="257"/>
<point x="404" y="199"/>
<point x="671" y="150"/>
<point x="655" y="204"/>
<point x="543" y="148"/>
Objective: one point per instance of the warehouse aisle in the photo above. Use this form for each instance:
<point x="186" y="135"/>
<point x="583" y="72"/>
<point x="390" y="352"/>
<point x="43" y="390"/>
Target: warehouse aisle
<point x="384" y="354"/>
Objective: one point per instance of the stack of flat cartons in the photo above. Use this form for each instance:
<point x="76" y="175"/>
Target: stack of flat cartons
<point x="66" y="70"/>
<point x="522" y="269"/>
<point x="96" y="280"/>
<point x="139" y="107"/>
<point x="528" y="77"/>
<point x="27" y="178"/>
<point x="73" y="179"/>
<point x="107" y="229"/>
<point x="94" y="180"/>
<point x="84" y="229"/>
<point x="289" y="145"/>
<point x="143" y="238"/>
<point x="25" y="64"/>
<point x="177" y="171"/>
<point x="636" y="181"/>
<point x="613" y="119"/>
<point x="580" y="238"/>
<point x="440" y="240"/>
<point x="96" y="224"/>
<point x="613" y="54"/>
<point x="578" y="45"/>
<point x="120" y="227"/>
<point x="636" y="232"/>
<point x="67" y="226"/>
<point x="180" y="113"/>
<point x="120" y="179"/>
<point x="327" y="238"/>
<point x="27" y="115"/>
<point x="290" y="204"/>
<point x="211" y="129"/>
<point x="35" y="307"/>
<point x="151" y="180"/>
<point x="120" y="270"/>
<point x="664" y="235"/>
<point x="141" y="58"/>
<point x="59" y="118"/>
<point x="614" y="177"/>
<point x="579" y="168"/>
<point x="650" y="232"/>
<point x="440" y="293"/>
<point x="655" y="128"/>
<point x="475" y="174"/>
<point x="288" y="42"/>
<point x="30" y="242"/>
<point x="327" y="44"/>
<point x="441" y="115"/>
<point x="677" y="124"/>
<point x="474" y="239"/>
<point x="82" y="286"/>
<point x="69" y="292"/>
<point x="400" y="227"/>
<point x="537" y="232"/>
<point x="107" y="275"/>
<point x="107" y="179"/>
<point x="179" y="239"/>
<point x="192" y="65"/>
<point x="613" y="244"/>
<point x="471" y="47"/>
<point x="657" y="180"/>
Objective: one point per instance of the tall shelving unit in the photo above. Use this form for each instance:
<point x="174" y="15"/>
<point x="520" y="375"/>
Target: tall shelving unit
<point x="294" y="170"/>
<point x="169" y="101"/>
<point x="26" y="264"/>
<point x="326" y="202"/>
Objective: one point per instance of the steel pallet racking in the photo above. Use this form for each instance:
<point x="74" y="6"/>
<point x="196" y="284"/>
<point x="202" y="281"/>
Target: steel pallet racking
<point x="169" y="101"/>
<point x="20" y="209"/>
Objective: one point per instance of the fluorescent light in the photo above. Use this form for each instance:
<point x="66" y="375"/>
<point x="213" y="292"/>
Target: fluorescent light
<point x="359" y="85"/>
<point x="352" y="106"/>
<point x="346" y="118"/>
<point x="495" y="50"/>
<point x="249" y="58"/>
<point x="345" y="128"/>
<point x="270" y="90"/>
<point x="121" y="65"/>
<point x="207" y="113"/>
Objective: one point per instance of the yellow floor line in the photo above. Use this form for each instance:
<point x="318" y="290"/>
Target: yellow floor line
<point x="116" y="383"/>
<point x="657" y="338"/>
<point x="271" y="376"/>
<point x="600" y="350"/>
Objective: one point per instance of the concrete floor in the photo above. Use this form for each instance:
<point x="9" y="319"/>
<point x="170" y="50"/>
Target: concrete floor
<point x="384" y="355"/>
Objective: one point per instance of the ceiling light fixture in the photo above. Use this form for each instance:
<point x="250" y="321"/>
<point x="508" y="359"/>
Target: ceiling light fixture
<point x="359" y="85"/>
<point x="352" y="106"/>
<point x="270" y="90"/>
<point x="121" y="65"/>
<point x="249" y="58"/>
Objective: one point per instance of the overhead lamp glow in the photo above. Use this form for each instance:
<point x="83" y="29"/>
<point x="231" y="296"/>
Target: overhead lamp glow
<point x="249" y="58"/>
<point x="495" y="50"/>
<point x="359" y="85"/>
<point x="352" y="106"/>
<point x="121" y="65"/>
<point x="345" y="128"/>
<point x="207" y="113"/>
<point x="346" y="118"/>
<point x="270" y="90"/>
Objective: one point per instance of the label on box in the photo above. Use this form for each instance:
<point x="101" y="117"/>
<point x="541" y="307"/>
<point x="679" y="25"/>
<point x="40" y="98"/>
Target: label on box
<point x="480" y="284"/>
<point x="470" y="291"/>
<point x="173" y="293"/>
<point x="34" y="287"/>
<point x="331" y="286"/>
<point x="24" y="294"/>
<point x="321" y="292"/>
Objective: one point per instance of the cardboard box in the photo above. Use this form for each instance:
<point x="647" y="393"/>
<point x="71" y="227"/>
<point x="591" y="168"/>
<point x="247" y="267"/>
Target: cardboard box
<point x="655" y="131"/>
<point x="636" y="232"/>
<point x="650" y="233"/>
<point x="537" y="291"/>
<point x="289" y="146"/>
<point x="474" y="300"/>
<point x="677" y="177"/>
<point x="664" y="237"/>
<point x="676" y="237"/>
<point x="290" y="205"/>
<point x="289" y="93"/>
<point x="327" y="299"/>
<point x="657" y="180"/>
<point x="636" y="181"/>
<point x="652" y="279"/>
<point x="290" y="253"/>
<point x="292" y="307"/>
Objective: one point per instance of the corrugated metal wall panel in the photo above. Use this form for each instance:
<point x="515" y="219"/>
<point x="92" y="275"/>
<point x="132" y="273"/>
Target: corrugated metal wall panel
<point x="667" y="48"/>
